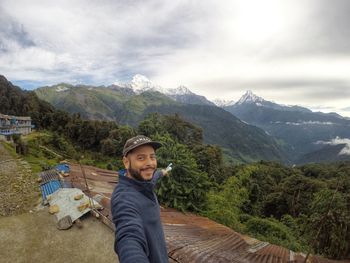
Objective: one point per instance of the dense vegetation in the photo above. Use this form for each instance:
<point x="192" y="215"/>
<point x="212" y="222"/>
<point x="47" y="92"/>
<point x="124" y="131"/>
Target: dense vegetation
<point x="304" y="208"/>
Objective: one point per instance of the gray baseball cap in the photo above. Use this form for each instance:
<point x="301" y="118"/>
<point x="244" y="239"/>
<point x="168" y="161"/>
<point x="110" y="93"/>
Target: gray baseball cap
<point x="137" y="141"/>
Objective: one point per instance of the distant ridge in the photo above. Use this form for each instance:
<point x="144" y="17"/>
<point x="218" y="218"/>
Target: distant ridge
<point x="299" y="128"/>
<point x="223" y="103"/>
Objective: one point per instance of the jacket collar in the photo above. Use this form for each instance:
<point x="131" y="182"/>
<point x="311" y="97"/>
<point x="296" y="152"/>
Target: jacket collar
<point x="145" y="187"/>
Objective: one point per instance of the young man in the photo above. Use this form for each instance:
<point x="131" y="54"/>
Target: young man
<point x="135" y="208"/>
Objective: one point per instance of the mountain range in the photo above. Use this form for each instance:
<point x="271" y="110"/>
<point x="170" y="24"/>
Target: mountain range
<point x="287" y="133"/>
<point x="299" y="128"/>
<point x="129" y="104"/>
<point x="140" y="84"/>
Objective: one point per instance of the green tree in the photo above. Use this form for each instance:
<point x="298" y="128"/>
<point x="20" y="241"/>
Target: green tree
<point x="108" y="147"/>
<point x="328" y="225"/>
<point x="152" y="125"/>
<point x="210" y="160"/>
<point x="292" y="196"/>
<point x="183" y="131"/>
<point x="227" y="204"/>
<point x="87" y="135"/>
<point x="120" y="136"/>
<point x="186" y="187"/>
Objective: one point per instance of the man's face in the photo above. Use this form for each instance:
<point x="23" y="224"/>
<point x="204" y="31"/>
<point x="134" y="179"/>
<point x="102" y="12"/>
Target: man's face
<point x="141" y="163"/>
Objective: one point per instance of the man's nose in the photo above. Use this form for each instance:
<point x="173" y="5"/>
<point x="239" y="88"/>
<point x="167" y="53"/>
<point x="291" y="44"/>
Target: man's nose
<point x="150" y="161"/>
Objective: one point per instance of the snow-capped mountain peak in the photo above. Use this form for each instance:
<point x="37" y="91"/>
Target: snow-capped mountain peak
<point x="61" y="88"/>
<point x="141" y="83"/>
<point x="250" y="97"/>
<point x="223" y="102"/>
<point x="181" y="90"/>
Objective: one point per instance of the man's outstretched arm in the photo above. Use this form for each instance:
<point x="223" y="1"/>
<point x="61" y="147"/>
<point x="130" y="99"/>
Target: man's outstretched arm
<point x="130" y="242"/>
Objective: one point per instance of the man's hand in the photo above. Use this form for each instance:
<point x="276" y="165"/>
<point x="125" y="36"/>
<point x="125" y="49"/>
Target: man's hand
<point x="167" y="170"/>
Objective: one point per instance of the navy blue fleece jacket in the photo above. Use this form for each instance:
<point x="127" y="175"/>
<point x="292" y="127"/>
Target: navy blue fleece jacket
<point x="136" y="215"/>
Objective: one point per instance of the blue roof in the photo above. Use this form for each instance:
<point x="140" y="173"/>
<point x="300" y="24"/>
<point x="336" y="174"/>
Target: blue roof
<point x="62" y="167"/>
<point x="9" y="132"/>
<point x="49" y="188"/>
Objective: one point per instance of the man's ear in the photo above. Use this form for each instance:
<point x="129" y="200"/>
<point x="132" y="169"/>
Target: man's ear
<point x="126" y="162"/>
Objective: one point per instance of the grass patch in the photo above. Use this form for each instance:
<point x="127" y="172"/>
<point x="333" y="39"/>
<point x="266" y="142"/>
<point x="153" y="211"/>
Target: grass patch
<point x="10" y="148"/>
<point x="38" y="157"/>
<point x="42" y="154"/>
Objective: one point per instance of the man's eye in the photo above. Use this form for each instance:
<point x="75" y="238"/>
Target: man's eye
<point x="140" y="158"/>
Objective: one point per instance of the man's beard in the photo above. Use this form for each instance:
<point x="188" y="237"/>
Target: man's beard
<point x="136" y="174"/>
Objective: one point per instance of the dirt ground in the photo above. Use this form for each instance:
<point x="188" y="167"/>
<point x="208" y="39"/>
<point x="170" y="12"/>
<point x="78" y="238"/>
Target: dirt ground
<point x="28" y="232"/>
<point x="33" y="237"/>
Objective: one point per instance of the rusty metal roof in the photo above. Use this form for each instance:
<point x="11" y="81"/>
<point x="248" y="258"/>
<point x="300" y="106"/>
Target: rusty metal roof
<point x="189" y="237"/>
<point x="98" y="180"/>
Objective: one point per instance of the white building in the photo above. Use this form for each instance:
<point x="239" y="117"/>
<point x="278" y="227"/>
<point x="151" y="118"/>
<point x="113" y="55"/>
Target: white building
<point x="10" y="125"/>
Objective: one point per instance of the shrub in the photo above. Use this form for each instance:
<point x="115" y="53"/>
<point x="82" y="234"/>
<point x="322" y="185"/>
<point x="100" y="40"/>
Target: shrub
<point x="273" y="231"/>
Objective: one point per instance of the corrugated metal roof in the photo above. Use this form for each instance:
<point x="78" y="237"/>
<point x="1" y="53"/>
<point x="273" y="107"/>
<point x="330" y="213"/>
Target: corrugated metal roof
<point x="191" y="243"/>
<point x="192" y="238"/>
<point x="49" y="188"/>
<point x="317" y="259"/>
<point x="100" y="181"/>
<point x="49" y="175"/>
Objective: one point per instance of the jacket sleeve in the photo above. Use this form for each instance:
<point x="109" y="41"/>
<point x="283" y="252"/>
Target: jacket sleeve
<point x="157" y="175"/>
<point x="130" y="241"/>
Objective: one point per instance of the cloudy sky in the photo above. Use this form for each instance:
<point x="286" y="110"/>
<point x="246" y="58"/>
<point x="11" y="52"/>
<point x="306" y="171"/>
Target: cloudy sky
<point x="287" y="51"/>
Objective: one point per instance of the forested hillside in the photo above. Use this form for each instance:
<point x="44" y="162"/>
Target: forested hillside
<point x="241" y="142"/>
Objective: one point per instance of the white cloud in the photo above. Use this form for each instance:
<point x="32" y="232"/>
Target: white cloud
<point x="345" y="150"/>
<point x="217" y="49"/>
<point x="337" y="141"/>
<point x="307" y="123"/>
